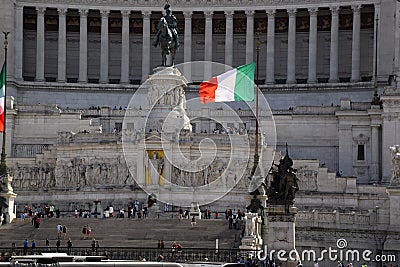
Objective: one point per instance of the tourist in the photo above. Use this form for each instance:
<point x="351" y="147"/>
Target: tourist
<point x="193" y="222"/>
<point x="58" y="213"/>
<point x="162" y="244"/>
<point x="64" y="230"/>
<point x="84" y="232"/>
<point x="37" y="222"/>
<point x="47" y="244"/>
<point x="33" y="244"/>
<point x="58" y="244"/>
<point x="26" y="244"/>
<point x="88" y="231"/>
<point x="93" y="244"/>
<point x="59" y="229"/>
<point x="69" y="246"/>
<point x="97" y="247"/>
<point x="76" y="213"/>
<point x="180" y="214"/>
<point x="216" y="214"/>
<point x="230" y="221"/>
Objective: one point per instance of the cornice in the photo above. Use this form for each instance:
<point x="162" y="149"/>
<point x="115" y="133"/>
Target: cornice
<point x="196" y="5"/>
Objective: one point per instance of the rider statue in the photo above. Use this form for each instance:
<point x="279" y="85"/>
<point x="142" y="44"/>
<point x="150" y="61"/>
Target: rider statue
<point x="172" y="25"/>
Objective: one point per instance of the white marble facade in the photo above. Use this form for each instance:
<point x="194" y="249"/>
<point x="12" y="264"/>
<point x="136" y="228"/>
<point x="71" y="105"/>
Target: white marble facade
<point x="74" y="65"/>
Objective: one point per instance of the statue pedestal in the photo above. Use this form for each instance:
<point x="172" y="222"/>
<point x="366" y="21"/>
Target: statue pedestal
<point x="195" y="210"/>
<point x="281" y="231"/>
<point x="251" y="241"/>
<point x="394" y="200"/>
<point x="10" y="212"/>
<point x="166" y="101"/>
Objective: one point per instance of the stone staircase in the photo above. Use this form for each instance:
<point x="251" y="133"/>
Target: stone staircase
<point x="122" y="232"/>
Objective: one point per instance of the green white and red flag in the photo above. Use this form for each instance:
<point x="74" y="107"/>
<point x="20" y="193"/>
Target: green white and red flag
<point x="2" y="96"/>
<point x="234" y="85"/>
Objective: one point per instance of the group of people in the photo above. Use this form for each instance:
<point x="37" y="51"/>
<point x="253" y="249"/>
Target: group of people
<point x="48" y="211"/>
<point x="234" y="218"/>
<point x="61" y="230"/>
<point x="86" y="231"/>
<point x="229" y="130"/>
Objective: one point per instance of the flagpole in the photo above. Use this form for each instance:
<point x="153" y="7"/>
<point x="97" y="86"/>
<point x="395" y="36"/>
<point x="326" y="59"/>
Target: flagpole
<point x="257" y="77"/>
<point x="375" y="98"/>
<point x="3" y="165"/>
<point x="255" y="191"/>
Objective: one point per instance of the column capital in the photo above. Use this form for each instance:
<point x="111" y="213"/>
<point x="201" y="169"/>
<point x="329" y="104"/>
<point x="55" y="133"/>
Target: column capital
<point x="313" y="11"/>
<point x="356" y="9"/>
<point x="146" y="14"/>
<point x="83" y="12"/>
<point x="208" y="14"/>
<point x="334" y="10"/>
<point x="229" y="14"/>
<point x="125" y="13"/>
<point x="41" y="10"/>
<point x="19" y="7"/>
<point x="250" y="13"/>
<point x="188" y="14"/>
<point x="104" y="13"/>
<point x="62" y="11"/>
<point x="271" y="12"/>
<point x="292" y="12"/>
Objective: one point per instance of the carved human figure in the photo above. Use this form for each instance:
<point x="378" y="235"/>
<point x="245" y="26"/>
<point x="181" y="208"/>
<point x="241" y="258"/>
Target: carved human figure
<point x="395" y="153"/>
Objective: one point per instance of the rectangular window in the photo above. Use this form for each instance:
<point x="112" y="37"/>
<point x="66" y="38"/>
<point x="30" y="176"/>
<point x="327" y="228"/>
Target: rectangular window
<point x="118" y="126"/>
<point x="360" y="152"/>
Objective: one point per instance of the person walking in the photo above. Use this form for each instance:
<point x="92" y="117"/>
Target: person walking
<point x="193" y="222"/>
<point x="58" y="244"/>
<point x="69" y="246"/>
<point x="26" y="244"/>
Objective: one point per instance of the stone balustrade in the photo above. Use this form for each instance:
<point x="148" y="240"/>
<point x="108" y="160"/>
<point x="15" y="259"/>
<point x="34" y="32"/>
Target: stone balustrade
<point x="339" y="220"/>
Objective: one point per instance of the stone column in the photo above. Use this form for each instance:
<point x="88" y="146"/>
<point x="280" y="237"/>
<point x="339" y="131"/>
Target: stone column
<point x="104" y="47"/>
<point x="62" y="44"/>
<point x="250" y="36"/>
<point x="312" y="46"/>
<point x="125" y="47"/>
<point x="146" y="45"/>
<point x="229" y="38"/>
<point x="271" y="47"/>
<point x="374" y="153"/>
<point x="40" y="44"/>
<point x="397" y="42"/>
<point x="19" y="17"/>
<point x="291" y="62"/>
<point x="376" y="36"/>
<point x="208" y="45"/>
<point x="187" y="50"/>
<point x="355" y="50"/>
<point x="83" y="41"/>
<point x="333" y="70"/>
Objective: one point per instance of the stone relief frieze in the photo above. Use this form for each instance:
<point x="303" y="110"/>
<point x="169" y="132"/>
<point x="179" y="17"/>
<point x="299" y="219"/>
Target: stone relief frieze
<point x="217" y="173"/>
<point x="395" y="154"/>
<point x="72" y="173"/>
<point x="307" y="179"/>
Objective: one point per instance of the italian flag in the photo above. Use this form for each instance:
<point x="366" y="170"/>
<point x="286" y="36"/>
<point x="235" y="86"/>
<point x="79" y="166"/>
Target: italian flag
<point x="2" y="96"/>
<point x="234" y="85"/>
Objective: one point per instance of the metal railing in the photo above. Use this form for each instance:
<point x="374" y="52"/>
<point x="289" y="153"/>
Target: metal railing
<point x="131" y="253"/>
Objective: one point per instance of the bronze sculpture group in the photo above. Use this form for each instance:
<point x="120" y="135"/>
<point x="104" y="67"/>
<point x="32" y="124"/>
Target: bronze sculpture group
<point x="167" y="36"/>
<point x="282" y="187"/>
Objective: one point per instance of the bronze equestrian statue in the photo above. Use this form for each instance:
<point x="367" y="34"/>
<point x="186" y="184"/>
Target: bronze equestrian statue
<point x="167" y="36"/>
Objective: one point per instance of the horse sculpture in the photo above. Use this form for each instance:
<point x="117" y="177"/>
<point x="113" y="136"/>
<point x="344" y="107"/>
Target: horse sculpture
<point x="166" y="41"/>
